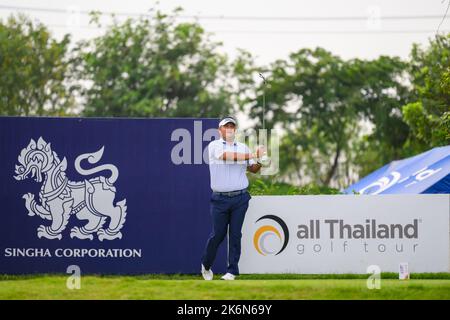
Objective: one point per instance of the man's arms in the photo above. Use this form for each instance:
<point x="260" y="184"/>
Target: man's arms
<point x="238" y="156"/>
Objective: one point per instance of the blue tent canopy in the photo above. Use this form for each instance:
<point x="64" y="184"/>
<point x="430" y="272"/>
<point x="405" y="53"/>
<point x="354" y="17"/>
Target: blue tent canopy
<point x="428" y="172"/>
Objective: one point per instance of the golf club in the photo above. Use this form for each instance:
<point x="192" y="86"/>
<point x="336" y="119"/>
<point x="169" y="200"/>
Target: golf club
<point x="264" y="160"/>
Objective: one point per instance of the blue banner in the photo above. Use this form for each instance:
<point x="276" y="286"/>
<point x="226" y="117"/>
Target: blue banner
<point x="110" y="195"/>
<point x="428" y="172"/>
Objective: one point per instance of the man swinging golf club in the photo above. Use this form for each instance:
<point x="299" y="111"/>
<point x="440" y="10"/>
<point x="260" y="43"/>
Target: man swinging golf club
<point x="228" y="162"/>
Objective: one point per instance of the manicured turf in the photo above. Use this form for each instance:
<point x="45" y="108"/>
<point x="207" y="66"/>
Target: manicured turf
<point x="430" y="286"/>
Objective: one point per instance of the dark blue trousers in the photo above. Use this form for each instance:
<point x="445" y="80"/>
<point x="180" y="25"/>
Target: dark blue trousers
<point x="227" y="214"/>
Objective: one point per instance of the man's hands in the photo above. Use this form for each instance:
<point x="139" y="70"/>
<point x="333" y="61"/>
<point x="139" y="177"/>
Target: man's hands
<point x="237" y="156"/>
<point x="260" y="152"/>
<point x="254" y="168"/>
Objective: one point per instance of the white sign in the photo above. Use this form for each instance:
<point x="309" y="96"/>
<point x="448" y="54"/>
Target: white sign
<point x="345" y="233"/>
<point x="403" y="271"/>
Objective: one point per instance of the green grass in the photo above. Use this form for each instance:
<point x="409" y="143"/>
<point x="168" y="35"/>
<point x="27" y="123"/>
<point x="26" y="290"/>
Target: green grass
<point x="429" y="286"/>
<point x="261" y="186"/>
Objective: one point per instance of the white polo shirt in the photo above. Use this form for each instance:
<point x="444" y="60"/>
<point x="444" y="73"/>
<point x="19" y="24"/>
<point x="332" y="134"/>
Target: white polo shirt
<point x="227" y="175"/>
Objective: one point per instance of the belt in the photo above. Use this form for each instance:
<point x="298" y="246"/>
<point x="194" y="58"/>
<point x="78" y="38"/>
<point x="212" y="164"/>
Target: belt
<point x="230" y="193"/>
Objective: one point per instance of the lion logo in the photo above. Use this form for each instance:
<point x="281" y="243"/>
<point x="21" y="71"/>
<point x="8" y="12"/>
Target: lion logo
<point x="59" y="198"/>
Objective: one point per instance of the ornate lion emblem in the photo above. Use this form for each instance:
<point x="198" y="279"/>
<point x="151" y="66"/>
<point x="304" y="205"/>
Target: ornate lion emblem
<point x="59" y="198"/>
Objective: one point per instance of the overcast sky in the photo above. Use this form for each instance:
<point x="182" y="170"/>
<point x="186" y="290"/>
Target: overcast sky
<point x="262" y="27"/>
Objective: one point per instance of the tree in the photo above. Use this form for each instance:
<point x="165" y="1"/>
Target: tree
<point x="339" y="118"/>
<point x="154" y="67"/>
<point x="33" y="69"/>
<point x="382" y="90"/>
<point x="428" y="115"/>
<point x="309" y="97"/>
<point x="326" y="119"/>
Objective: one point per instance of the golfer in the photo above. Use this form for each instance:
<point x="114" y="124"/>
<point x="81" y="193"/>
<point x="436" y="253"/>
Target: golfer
<point x="228" y="162"/>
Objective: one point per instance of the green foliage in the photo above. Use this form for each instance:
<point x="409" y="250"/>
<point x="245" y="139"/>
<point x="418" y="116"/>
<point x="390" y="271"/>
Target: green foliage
<point x="154" y="67"/>
<point x="33" y="70"/>
<point x="344" y="119"/>
<point x="260" y="187"/>
<point x="427" y="117"/>
<point x="321" y="102"/>
<point x="426" y="128"/>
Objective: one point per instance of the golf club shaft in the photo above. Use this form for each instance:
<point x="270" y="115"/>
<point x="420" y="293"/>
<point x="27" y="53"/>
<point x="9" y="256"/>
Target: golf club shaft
<point x="264" y="101"/>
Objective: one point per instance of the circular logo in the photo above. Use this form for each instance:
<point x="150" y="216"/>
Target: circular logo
<point x="282" y="233"/>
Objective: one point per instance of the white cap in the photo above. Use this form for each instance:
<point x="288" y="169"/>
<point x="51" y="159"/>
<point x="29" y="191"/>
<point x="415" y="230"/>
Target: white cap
<point x="226" y="120"/>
